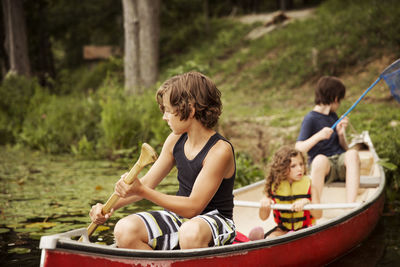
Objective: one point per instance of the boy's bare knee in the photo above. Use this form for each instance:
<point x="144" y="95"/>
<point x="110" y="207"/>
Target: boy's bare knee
<point x="188" y="235"/>
<point x="126" y="232"/>
<point x="352" y="153"/>
<point x="352" y="157"/>
<point x="191" y="235"/>
<point x="320" y="164"/>
<point x="320" y="159"/>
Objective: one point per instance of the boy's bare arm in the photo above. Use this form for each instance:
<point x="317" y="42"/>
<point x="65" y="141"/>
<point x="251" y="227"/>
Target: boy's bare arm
<point x="158" y="171"/>
<point x="215" y="167"/>
<point x="306" y="145"/>
<point x="341" y="131"/>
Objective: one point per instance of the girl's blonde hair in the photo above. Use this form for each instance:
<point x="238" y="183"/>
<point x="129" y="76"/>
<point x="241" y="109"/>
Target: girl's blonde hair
<point x="280" y="167"/>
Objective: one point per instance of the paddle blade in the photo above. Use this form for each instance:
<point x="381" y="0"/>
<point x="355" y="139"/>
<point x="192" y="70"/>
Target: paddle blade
<point x="391" y="75"/>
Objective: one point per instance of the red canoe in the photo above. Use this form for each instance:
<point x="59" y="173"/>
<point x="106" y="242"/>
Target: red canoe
<point x="337" y="232"/>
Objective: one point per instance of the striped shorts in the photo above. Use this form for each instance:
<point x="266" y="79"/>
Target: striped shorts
<point x="162" y="228"/>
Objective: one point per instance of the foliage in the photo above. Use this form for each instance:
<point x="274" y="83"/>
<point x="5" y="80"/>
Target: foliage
<point x="15" y="94"/>
<point x="70" y="28"/>
<point x="88" y="78"/>
<point x="209" y="50"/>
<point x="57" y="122"/>
<point x="128" y="121"/>
<point x="246" y="171"/>
<point x="94" y="123"/>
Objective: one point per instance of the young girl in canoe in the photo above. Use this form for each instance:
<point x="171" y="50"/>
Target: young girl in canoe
<point x="287" y="184"/>
<point x="200" y="214"/>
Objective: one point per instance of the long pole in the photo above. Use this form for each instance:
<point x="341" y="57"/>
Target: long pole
<point x="355" y="103"/>
<point x="252" y="204"/>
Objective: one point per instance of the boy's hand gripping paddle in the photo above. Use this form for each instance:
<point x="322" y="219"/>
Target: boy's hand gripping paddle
<point x="147" y="156"/>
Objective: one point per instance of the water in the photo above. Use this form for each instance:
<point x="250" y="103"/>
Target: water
<point x="43" y="194"/>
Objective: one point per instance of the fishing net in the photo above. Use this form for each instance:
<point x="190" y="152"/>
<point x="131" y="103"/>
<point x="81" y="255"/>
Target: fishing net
<point x="391" y="75"/>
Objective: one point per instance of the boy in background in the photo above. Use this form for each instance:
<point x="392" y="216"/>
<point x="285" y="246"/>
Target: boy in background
<point x="327" y="149"/>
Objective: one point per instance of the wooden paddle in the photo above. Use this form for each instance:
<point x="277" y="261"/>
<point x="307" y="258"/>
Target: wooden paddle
<point x="252" y="204"/>
<point x="147" y="156"/>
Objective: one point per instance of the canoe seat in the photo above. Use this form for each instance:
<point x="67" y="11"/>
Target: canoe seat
<point x="365" y="182"/>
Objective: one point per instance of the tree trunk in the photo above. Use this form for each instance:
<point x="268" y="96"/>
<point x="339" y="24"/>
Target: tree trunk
<point x="131" y="49"/>
<point x="16" y="44"/>
<point x="149" y="34"/>
<point x="43" y="62"/>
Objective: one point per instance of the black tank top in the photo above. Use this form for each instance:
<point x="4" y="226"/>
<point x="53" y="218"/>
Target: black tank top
<point x="188" y="171"/>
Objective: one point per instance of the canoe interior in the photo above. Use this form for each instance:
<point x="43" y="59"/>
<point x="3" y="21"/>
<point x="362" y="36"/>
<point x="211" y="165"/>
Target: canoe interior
<point x="246" y="218"/>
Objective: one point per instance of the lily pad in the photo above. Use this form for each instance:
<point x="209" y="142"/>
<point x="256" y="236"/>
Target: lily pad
<point x="35" y="235"/>
<point x="41" y="225"/>
<point x="27" y="230"/>
<point x="101" y="228"/>
<point x="4" y="230"/>
<point x="20" y="250"/>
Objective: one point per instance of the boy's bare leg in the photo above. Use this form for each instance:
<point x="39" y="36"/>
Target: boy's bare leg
<point x="195" y="233"/>
<point x="131" y="232"/>
<point x="319" y="170"/>
<point x="352" y="163"/>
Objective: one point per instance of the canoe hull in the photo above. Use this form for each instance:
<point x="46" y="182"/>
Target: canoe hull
<point x="319" y="247"/>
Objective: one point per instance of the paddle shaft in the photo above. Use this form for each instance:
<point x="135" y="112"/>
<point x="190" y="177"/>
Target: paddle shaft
<point x="253" y="204"/>
<point x="147" y="156"/>
<point x="132" y="175"/>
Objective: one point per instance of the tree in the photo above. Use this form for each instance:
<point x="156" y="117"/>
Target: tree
<point x="142" y="33"/>
<point x="131" y="55"/>
<point x="16" y="45"/>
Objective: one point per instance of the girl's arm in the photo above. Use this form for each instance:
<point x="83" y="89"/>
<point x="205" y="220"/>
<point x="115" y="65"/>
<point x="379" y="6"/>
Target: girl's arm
<point x="265" y="208"/>
<point x="299" y="204"/>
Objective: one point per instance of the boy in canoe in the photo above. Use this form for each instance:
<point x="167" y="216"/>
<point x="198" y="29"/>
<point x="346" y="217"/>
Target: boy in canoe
<point x="327" y="148"/>
<point x="200" y="214"/>
<point x="287" y="183"/>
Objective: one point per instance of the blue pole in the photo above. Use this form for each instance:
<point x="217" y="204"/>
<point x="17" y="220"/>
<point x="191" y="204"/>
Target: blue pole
<point x="355" y="103"/>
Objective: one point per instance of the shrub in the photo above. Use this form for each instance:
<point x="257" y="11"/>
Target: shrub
<point x="246" y="171"/>
<point x="88" y="78"/>
<point x="15" y="94"/>
<point x="128" y="121"/>
<point x="55" y="123"/>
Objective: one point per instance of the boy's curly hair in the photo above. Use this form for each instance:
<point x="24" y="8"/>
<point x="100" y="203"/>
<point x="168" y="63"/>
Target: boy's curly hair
<point x="280" y="167"/>
<point x="192" y="89"/>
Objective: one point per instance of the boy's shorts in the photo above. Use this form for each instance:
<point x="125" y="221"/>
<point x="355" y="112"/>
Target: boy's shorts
<point x="162" y="227"/>
<point x="338" y="169"/>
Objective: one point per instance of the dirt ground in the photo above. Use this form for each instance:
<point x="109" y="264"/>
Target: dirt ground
<point x="271" y="21"/>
